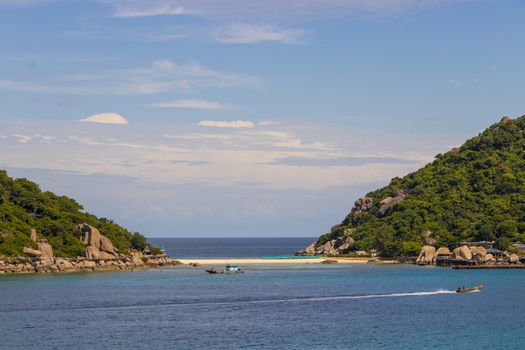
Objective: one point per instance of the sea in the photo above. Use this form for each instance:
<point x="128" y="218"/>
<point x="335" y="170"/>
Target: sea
<point x="296" y="306"/>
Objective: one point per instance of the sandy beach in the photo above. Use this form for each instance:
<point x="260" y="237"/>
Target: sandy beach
<point x="261" y="261"/>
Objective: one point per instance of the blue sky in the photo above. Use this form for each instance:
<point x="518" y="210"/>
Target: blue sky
<point x="235" y="118"/>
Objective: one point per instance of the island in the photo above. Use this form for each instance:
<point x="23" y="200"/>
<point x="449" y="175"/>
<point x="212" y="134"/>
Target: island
<point x="466" y="209"/>
<point x="41" y="232"/>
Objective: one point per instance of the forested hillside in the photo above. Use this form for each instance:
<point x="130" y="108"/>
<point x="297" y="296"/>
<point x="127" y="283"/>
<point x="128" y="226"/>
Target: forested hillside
<point x="474" y="192"/>
<point x="23" y="206"/>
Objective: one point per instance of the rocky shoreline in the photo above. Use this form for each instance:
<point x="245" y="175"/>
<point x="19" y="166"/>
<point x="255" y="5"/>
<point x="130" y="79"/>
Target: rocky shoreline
<point x="23" y="265"/>
<point x="99" y="255"/>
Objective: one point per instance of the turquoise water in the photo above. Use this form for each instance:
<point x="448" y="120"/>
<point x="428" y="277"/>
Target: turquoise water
<point x="268" y="307"/>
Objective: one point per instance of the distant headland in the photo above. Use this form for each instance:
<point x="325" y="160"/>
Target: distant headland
<point x="42" y="232"/>
<point x="474" y="193"/>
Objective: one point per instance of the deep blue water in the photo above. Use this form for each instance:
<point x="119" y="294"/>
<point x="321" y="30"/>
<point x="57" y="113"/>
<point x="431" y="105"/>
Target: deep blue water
<point x="268" y="307"/>
<point x="231" y="247"/>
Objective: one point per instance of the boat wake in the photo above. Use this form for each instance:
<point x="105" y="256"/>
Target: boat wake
<point x="222" y="303"/>
<point x="350" y="297"/>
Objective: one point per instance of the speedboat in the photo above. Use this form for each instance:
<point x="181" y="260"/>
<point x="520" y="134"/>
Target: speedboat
<point x="477" y="288"/>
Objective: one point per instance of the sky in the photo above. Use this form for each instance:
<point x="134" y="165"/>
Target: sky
<point x="226" y="118"/>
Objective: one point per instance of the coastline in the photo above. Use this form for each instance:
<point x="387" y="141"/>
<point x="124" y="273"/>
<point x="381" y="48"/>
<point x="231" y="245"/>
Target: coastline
<point x="263" y="261"/>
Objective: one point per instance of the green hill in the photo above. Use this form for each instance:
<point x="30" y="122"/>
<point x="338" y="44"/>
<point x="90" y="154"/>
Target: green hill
<point x="474" y="192"/>
<point x="24" y="206"/>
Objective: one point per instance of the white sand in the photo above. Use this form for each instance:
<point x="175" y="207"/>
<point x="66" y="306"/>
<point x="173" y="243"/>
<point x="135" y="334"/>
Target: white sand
<point x="270" y="261"/>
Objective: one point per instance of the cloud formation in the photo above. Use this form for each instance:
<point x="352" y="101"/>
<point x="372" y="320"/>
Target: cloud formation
<point x="242" y="124"/>
<point x="153" y="9"/>
<point x="269" y="10"/>
<point x="190" y="104"/>
<point x="158" y="77"/>
<point x="250" y="34"/>
<point x="106" y="118"/>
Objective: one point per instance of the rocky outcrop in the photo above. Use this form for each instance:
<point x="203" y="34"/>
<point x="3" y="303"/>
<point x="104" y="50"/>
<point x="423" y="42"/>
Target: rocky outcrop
<point x="33" y="235"/>
<point x="32" y="252"/>
<point x="337" y="246"/>
<point x="428" y="238"/>
<point x="463" y="253"/>
<point x="362" y="204"/>
<point x="100" y="255"/>
<point x="427" y="256"/>
<point x="45" y="248"/>
<point x="92" y="237"/>
<point x="389" y="202"/>
<point x="97" y="245"/>
<point x="52" y="265"/>
<point x="443" y="251"/>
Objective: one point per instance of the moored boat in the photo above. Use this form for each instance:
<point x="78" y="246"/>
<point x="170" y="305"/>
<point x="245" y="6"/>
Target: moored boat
<point x="229" y="269"/>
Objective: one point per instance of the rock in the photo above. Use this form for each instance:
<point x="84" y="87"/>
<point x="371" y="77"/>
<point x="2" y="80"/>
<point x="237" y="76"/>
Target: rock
<point x="64" y="265"/>
<point x="505" y="120"/>
<point x="428" y="238"/>
<point x="33" y="235"/>
<point x="478" y="251"/>
<point x="32" y="252"/>
<point x="463" y="253"/>
<point x="443" y="251"/>
<point x="489" y="258"/>
<point x="45" y="248"/>
<point x="427" y="256"/>
<point x="136" y="258"/>
<point x="152" y="261"/>
<point x="362" y="204"/>
<point x="310" y="250"/>
<point x="348" y="231"/>
<point x="389" y="202"/>
<point x="86" y="265"/>
<point x="91" y="252"/>
<point x="361" y="253"/>
<point x="92" y="237"/>
<point x="514" y="259"/>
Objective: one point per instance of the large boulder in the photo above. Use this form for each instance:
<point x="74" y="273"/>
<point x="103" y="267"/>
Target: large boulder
<point x="92" y="237"/>
<point x="310" y="250"/>
<point x="389" y="202"/>
<point x="489" y="259"/>
<point x="32" y="252"/>
<point x="478" y="251"/>
<point x="443" y="251"/>
<point x="427" y="256"/>
<point x="33" y="235"/>
<point x="463" y="253"/>
<point x="64" y="264"/>
<point x="45" y="248"/>
<point x="514" y="259"/>
<point x="136" y="258"/>
<point x="362" y="204"/>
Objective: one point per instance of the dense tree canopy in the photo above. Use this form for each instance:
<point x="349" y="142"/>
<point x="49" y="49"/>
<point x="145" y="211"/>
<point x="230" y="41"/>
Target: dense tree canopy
<point x="475" y="192"/>
<point x="24" y="206"/>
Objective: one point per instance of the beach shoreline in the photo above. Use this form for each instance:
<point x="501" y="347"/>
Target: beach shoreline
<point x="265" y="261"/>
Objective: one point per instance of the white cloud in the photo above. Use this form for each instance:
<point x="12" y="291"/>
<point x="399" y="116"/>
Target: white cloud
<point x="149" y="11"/>
<point x="227" y="124"/>
<point x="190" y="104"/>
<point x="249" y="34"/>
<point x="270" y="10"/>
<point x="159" y="76"/>
<point x="106" y="118"/>
<point x="22" y="138"/>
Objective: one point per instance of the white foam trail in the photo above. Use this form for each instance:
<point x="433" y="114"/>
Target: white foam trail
<point x="349" y="297"/>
